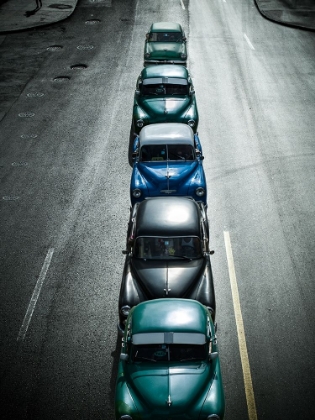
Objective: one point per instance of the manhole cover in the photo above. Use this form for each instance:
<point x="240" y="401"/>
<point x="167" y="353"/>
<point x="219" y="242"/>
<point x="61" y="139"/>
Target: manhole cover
<point x="35" y="95"/>
<point x="19" y="163"/>
<point x="55" y="47"/>
<point x="10" y="198"/>
<point x="85" y="47"/>
<point x="28" y="136"/>
<point x="26" y="114"/>
<point x="78" y="67"/>
<point x="61" y="79"/>
<point x="92" y="21"/>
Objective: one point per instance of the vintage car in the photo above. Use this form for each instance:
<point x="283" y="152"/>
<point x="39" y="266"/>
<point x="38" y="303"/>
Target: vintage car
<point x="169" y="366"/>
<point x="167" y="160"/>
<point x="167" y="254"/>
<point x="164" y="93"/>
<point x="165" y="43"/>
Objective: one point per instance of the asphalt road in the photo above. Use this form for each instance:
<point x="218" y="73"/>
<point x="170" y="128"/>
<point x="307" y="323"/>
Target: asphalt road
<point x="64" y="202"/>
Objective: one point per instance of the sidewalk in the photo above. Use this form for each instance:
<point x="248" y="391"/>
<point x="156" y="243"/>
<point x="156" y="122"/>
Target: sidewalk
<point x="298" y="13"/>
<point x="16" y="15"/>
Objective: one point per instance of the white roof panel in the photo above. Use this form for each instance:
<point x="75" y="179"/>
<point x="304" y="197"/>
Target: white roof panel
<point x="167" y="133"/>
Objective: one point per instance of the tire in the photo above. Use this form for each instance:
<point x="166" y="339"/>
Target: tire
<point x="131" y="140"/>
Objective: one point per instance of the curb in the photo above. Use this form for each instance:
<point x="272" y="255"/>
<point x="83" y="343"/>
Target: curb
<point x="17" y="15"/>
<point x="296" y="13"/>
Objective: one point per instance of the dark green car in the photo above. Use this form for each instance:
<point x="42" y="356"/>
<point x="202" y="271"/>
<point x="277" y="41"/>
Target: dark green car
<point x="164" y="93"/>
<point x="165" y="43"/>
<point x="169" y="366"/>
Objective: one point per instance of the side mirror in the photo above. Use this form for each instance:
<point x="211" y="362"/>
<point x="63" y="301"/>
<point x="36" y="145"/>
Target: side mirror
<point x="125" y="252"/>
<point x="137" y="92"/>
<point x="212" y="356"/>
<point x="211" y="252"/>
<point x="184" y="39"/>
<point x="124" y="357"/>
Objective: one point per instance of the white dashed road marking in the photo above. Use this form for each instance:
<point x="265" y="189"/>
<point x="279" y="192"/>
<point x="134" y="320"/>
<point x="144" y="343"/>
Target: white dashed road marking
<point x="35" y="296"/>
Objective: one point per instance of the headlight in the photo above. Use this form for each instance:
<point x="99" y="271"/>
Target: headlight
<point x="147" y="55"/>
<point x="200" y="191"/>
<point x="136" y="193"/>
<point x="140" y="123"/>
<point x="183" y="55"/>
<point x="125" y="417"/>
<point x="124" y="310"/>
<point x="191" y="123"/>
<point x="213" y="417"/>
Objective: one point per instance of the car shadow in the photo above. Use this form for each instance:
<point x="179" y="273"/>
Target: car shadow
<point x="115" y="355"/>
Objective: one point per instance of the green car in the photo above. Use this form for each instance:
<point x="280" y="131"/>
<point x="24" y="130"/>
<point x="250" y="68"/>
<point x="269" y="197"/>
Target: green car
<point x="169" y="366"/>
<point x="164" y="93"/>
<point x="165" y="43"/>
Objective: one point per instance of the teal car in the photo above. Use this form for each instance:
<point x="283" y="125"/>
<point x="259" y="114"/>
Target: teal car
<point x="165" y="43"/>
<point x="169" y="366"/>
<point x="164" y="93"/>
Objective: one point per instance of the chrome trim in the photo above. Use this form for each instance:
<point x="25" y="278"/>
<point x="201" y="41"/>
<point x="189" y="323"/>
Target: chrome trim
<point x="140" y="123"/>
<point x="200" y="191"/>
<point x="136" y="193"/>
<point x="121" y="331"/>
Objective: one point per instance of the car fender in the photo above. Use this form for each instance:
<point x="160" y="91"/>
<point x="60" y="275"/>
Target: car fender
<point x="124" y="403"/>
<point x="215" y="401"/>
<point x="204" y="289"/>
<point x="130" y="292"/>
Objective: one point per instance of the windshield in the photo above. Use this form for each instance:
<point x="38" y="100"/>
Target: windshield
<point x="168" y="248"/>
<point x="168" y="352"/>
<point x="165" y="37"/>
<point x="164" y="89"/>
<point x="151" y="153"/>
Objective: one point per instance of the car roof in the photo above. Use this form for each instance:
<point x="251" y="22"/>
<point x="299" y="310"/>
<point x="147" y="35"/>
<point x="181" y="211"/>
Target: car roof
<point x="174" y="315"/>
<point x="165" y="26"/>
<point x="166" y="133"/>
<point x="164" y="70"/>
<point x="168" y="216"/>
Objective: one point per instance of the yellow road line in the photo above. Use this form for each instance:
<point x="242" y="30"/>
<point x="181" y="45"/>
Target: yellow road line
<point x="249" y="392"/>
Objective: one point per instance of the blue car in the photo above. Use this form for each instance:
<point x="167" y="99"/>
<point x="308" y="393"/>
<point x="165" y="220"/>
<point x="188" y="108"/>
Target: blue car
<point x="167" y="161"/>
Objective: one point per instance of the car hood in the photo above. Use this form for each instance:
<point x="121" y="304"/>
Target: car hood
<point x="165" y="50"/>
<point x="167" y="176"/>
<point x="167" y="278"/>
<point x="165" y="108"/>
<point x="169" y="391"/>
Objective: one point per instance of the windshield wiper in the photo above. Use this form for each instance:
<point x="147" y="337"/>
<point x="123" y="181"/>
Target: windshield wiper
<point x="178" y="156"/>
<point x="181" y="256"/>
<point x="189" y="358"/>
<point x="145" y="358"/>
